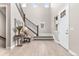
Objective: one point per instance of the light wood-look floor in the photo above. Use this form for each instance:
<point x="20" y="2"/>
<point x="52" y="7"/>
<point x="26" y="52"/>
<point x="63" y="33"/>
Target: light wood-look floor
<point x="39" y="48"/>
<point x="4" y="52"/>
<point x="2" y="42"/>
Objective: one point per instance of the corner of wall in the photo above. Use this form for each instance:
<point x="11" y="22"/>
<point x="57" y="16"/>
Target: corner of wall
<point x="12" y="46"/>
<point x="70" y="51"/>
<point x="73" y="53"/>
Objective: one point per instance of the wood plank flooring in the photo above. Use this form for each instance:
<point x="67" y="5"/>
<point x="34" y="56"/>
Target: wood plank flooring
<point x="39" y="48"/>
<point x="4" y="52"/>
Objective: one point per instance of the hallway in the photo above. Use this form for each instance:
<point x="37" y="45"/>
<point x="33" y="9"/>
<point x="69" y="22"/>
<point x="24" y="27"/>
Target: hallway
<point x="39" y="48"/>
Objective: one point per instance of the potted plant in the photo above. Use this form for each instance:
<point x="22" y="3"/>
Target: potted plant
<point x="19" y="29"/>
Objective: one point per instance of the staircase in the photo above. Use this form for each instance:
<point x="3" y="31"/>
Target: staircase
<point x="30" y="25"/>
<point x="27" y="23"/>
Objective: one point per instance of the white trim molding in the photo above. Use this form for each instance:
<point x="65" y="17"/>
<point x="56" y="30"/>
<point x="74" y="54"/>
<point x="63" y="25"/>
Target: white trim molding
<point x="12" y="46"/>
<point x="70" y="51"/>
<point x="73" y="53"/>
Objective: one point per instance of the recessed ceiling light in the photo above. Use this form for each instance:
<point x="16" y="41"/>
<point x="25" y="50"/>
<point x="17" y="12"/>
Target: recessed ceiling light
<point x="53" y="5"/>
<point x="23" y="5"/>
<point x="46" y="5"/>
<point x="35" y="5"/>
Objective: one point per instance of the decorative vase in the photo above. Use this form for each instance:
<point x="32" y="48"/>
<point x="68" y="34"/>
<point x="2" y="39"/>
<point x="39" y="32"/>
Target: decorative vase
<point x="19" y="29"/>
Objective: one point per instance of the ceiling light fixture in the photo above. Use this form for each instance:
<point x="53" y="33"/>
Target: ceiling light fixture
<point x="35" y="5"/>
<point x="23" y="5"/>
<point x="46" y="5"/>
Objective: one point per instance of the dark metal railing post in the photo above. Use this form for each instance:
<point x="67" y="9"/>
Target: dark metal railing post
<point x="24" y="18"/>
<point x="37" y="30"/>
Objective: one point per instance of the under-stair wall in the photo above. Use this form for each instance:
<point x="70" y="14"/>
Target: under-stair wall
<point x="14" y="15"/>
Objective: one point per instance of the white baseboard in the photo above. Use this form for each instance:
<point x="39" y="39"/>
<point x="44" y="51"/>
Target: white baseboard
<point x="55" y="39"/>
<point x="70" y="51"/>
<point x="12" y="46"/>
<point x="8" y="48"/>
<point x="73" y="53"/>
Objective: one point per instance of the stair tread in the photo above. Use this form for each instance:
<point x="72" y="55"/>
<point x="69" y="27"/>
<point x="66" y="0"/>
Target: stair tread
<point x="43" y="37"/>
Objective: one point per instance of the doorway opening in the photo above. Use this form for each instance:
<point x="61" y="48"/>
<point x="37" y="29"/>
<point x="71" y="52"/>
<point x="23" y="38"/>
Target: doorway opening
<point x="2" y="27"/>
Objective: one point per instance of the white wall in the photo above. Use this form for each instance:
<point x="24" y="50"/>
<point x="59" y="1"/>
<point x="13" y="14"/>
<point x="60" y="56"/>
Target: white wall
<point x="14" y="14"/>
<point x="39" y="15"/>
<point x="2" y="24"/>
<point x="74" y="27"/>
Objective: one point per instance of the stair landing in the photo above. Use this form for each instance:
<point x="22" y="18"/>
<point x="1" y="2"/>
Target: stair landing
<point x="43" y="37"/>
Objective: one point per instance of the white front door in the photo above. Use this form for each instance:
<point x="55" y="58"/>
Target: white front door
<point x="63" y="27"/>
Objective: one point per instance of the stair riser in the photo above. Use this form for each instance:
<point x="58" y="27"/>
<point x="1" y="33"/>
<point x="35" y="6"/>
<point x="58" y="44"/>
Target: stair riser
<point x="44" y="37"/>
